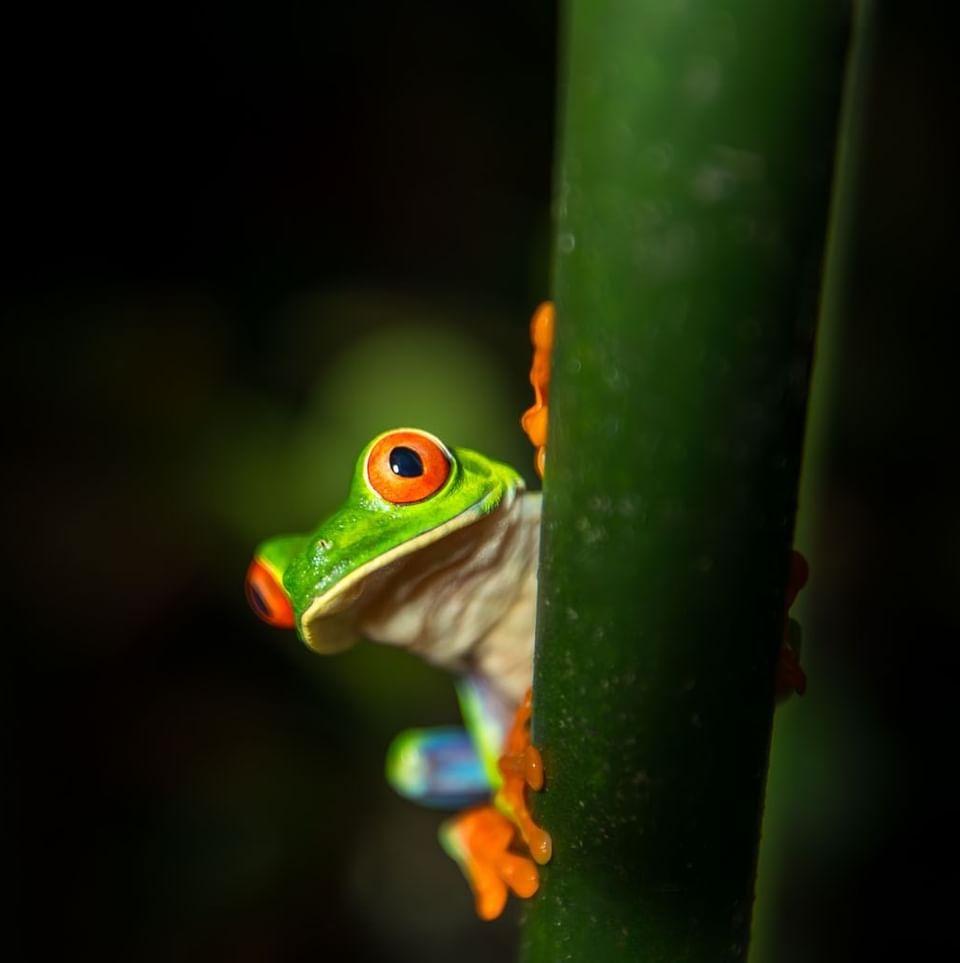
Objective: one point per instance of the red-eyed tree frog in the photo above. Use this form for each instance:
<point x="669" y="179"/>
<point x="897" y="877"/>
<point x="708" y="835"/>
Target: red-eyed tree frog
<point x="436" y="550"/>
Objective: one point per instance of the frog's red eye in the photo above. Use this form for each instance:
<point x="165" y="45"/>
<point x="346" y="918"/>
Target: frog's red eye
<point x="267" y="598"/>
<point x="407" y="466"/>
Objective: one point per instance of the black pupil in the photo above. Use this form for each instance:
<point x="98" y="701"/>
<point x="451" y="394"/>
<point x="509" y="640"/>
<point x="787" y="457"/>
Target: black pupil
<point x="257" y="601"/>
<point x="405" y="462"/>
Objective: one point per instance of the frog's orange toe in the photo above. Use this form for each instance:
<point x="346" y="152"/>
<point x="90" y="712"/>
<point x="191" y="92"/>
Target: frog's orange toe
<point x="533" y="768"/>
<point x="490" y="892"/>
<point x="534" y="420"/>
<point x="534" y="423"/>
<point x="540" y="843"/>
<point x="479" y="840"/>
<point x="521" y="766"/>
<point x="520" y="874"/>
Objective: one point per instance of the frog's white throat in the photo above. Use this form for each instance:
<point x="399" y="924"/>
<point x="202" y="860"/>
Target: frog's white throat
<point x="462" y="596"/>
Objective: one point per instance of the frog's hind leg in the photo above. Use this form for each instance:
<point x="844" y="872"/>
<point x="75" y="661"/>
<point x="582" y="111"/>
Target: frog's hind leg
<point x="479" y="839"/>
<point x="438" y="767"/>
<point x="482" y="840"/>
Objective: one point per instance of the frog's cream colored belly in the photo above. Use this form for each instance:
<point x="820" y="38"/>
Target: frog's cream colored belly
<point x="468" y="601"/>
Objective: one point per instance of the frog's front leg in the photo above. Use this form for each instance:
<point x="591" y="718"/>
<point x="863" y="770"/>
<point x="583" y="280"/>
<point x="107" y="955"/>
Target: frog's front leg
<point x="521" y="766"/>
<point x="483" y="840"/>
<point x="534" y="419"/>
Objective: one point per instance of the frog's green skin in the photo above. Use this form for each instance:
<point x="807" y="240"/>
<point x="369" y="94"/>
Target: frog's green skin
<point x="451" y="578"/>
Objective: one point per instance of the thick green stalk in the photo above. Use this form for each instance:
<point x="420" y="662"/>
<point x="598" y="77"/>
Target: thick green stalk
<point x="693" y="180"/>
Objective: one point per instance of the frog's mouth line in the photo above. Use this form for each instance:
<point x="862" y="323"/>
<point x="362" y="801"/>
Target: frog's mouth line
<point x="329" y="624"/>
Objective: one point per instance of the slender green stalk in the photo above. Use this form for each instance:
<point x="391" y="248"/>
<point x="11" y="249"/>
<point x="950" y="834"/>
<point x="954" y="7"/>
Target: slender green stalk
<point x="696" y="150"/>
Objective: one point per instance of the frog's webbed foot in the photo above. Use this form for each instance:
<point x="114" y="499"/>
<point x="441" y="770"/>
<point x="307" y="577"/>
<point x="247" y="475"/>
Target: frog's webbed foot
<point x="521" y="766"/>
<point x="534" y="420"/>
<point x="485" y="840"/>
<point x="441" y="767"/>
<point x="790" y="676"/>
<point x="479" y="840"/>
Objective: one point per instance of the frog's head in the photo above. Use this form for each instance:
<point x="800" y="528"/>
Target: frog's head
<point x="409" y="491"/>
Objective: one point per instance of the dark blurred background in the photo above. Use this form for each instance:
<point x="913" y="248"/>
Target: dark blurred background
<point x="240" y="241"/>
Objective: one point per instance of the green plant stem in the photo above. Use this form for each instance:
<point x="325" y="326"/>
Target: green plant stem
<point x="692" y="190"/>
